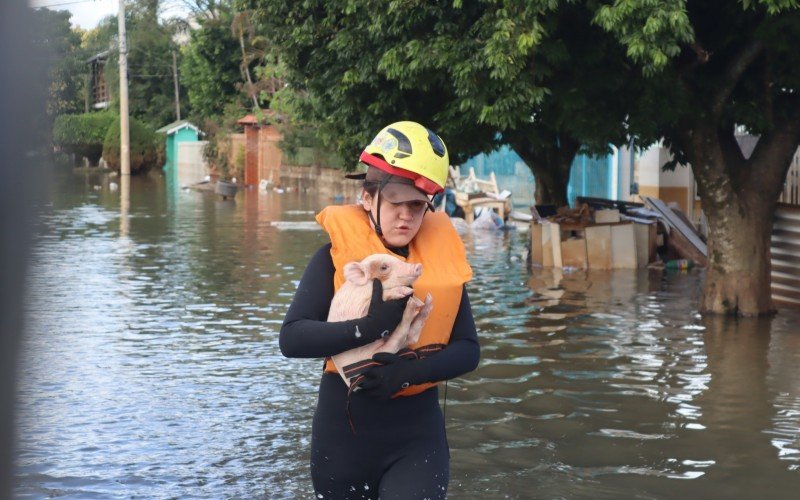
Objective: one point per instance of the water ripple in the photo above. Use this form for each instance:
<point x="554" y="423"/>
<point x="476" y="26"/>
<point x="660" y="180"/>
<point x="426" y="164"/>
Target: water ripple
<point x="152" y="367"/>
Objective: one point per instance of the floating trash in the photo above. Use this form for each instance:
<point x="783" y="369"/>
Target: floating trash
<point x="301" y="225"/>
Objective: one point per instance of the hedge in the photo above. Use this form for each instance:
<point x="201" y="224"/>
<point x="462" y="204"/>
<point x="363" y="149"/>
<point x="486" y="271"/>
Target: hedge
<point x="82" y="134"/>
<point x="146" y="147"/>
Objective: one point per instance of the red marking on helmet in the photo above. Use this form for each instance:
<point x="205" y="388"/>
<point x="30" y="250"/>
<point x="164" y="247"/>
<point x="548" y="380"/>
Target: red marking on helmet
<point x="421" y="182"/>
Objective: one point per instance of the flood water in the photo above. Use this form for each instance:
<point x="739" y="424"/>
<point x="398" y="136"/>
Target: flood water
<point x="151" y="367"/>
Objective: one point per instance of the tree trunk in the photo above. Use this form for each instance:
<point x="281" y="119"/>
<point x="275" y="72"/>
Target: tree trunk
<point x="551" y="184"/>
<point x="550" y="165"/>
<point x="739" y="262"/>
<point x="739" y="197"/>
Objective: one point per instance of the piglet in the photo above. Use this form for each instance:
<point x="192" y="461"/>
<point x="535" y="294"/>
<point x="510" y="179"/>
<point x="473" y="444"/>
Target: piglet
<point x="352" y="300"/>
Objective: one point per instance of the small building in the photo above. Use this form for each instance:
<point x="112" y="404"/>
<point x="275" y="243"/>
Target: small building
<point x="99" y="95"/>
<point x="259" y="149"/>
<point x="177" y="133"/>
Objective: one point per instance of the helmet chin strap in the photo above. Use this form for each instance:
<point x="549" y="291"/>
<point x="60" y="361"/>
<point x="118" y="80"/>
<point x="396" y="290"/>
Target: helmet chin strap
<point x="377" y="223"/>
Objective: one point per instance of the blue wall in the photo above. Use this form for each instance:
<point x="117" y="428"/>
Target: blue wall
<point x="512" y="173"/>
<point x="170" y="167"/>
<point x="590" y="176"/>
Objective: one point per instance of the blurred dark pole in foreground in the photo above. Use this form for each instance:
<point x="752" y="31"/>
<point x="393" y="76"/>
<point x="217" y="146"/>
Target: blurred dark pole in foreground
<point x="20" y="101"/>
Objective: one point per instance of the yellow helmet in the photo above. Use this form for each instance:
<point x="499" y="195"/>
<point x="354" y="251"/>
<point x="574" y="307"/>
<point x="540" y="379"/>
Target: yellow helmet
<point x="410" y="150"/>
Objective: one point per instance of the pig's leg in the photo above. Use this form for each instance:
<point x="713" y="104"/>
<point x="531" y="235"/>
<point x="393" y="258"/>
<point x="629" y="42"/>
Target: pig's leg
<point x="419" y="321"/>
<point x="397" y="292"/>
<point x="399" y="337"/>
<point x="391" y="343"/>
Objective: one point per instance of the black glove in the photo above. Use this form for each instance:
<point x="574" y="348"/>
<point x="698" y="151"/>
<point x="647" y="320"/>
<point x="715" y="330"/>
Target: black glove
<point x="382" y="317"/>
<point x="395" y="373"/>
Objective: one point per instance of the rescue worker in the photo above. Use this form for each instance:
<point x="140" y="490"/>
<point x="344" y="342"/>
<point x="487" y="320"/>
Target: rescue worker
<point x="391" y="441"/>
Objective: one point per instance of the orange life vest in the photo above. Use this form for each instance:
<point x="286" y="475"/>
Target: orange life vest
<point x="436" y="246"/>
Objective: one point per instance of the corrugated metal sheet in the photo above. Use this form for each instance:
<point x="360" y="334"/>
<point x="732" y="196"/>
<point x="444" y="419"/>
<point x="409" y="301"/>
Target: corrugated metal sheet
<point x="786" y="256"/>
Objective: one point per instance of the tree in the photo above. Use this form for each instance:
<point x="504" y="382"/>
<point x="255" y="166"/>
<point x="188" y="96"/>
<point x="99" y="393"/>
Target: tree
<point x="64" y="66"/>
<point x="541" y="76"/>
<point x="83" y="134"/>
<point x="199" y="9"/>
<point x="482" y="74"/>
<point x="332" y="62"/>
<point x="150" y="47"/>
<point x="210" y="66"/>
<point x="587" y="84"/>
<point x="713" y="66"/>
<point x="146" y="147"/>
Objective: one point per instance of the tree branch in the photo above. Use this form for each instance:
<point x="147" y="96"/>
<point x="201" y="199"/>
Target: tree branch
<point x="731" y="151"/>
<point x="772" y="156"/>
<point x="733" y="74"/>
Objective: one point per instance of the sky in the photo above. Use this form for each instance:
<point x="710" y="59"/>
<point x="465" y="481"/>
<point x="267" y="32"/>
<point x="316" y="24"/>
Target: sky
<point x="85" y="13"/>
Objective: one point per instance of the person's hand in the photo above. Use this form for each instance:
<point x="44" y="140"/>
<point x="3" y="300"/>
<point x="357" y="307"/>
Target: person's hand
<point x="382" y="317"/>
<point x="394" y="374"/>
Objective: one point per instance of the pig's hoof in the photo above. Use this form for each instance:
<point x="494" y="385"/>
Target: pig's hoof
<point x="401" y="292"/>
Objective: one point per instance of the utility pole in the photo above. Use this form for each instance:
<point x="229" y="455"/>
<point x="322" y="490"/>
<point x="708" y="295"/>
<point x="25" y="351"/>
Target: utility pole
<point x="177" y="88"/>
<point x="124" y="125"/>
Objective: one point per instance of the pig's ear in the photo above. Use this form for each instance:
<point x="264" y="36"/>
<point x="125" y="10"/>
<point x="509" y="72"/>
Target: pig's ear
<point x="355" y="273"/>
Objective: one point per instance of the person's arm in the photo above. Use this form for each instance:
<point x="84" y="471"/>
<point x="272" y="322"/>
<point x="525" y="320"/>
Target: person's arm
<point x="305" y="333"/>
<point x="459" y="357"/>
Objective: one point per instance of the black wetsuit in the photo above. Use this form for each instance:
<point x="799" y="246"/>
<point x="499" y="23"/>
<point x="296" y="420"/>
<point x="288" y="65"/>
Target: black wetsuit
<point x="399" y="449"/>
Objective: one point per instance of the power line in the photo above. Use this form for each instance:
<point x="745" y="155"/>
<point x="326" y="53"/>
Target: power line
<point x="62" y="4"/>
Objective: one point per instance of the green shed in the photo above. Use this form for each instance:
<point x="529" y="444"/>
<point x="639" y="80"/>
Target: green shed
<point x="177" y="132"/>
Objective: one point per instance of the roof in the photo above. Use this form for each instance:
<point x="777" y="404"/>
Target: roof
<point x="178" y="125"/>
<point x="247" y="120"/>
<point x="102" y="56"/>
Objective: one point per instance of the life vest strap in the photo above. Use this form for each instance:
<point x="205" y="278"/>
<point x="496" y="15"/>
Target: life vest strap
<point x="355" y="371"/>
<point x="359" y="367"/>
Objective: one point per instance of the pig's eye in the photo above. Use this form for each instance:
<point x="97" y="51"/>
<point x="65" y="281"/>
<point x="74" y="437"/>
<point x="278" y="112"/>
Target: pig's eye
<point x="384" y="267"/>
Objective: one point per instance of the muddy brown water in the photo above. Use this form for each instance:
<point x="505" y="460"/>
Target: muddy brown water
<point x="151" y="366"/>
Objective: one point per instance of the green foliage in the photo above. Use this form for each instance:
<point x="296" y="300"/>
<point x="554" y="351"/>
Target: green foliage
<point x="61" y="44"/>
<point x="82" y="135"/>
<point x="102" y="37"/>
<point x="150" y="47"/>
<point x="546" y="77"/>
<point x="653" y="31"/>
<point x="62" y="68"/>
<point x="238" y="162"/>
<point x="217" y="151"/>
<point x="151" y="89"/>
<point x="331" y="55"/>
<point x="146" y="147"/>
<point x="210" y="67"/>
<point x="729" y="65"/>
<point x="533" y="74"/>
<point x="302" y="147"/>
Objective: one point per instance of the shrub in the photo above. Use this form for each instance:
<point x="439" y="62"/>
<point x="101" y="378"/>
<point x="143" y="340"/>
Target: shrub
<point x="82" y="135"/>
<point x="145" y="145"/>
<point x="239" y="162"/>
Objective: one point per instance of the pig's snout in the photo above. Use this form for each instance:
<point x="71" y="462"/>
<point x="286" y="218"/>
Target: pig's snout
<point x="412" y="272"/>
<point x="404" y="274"/>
